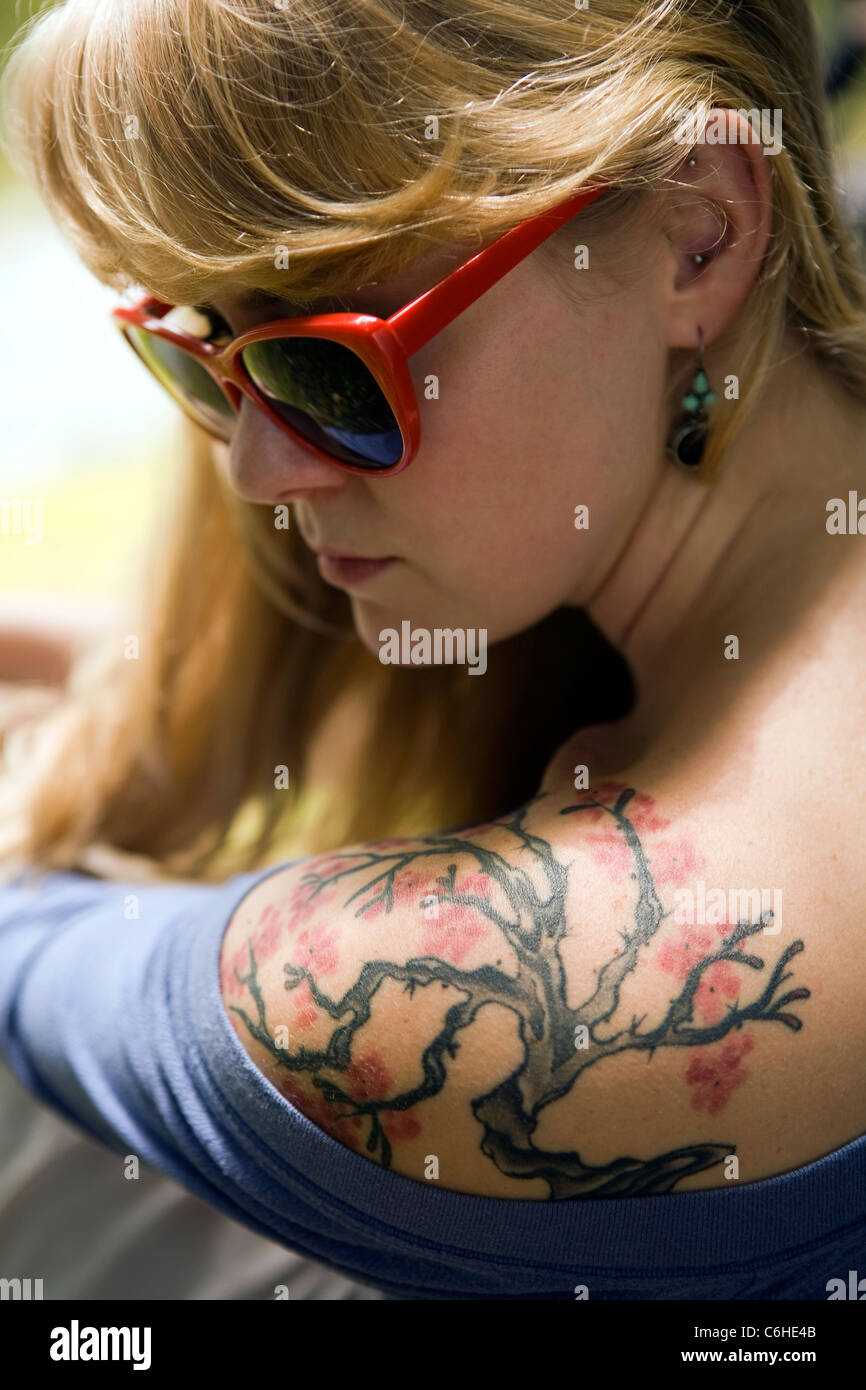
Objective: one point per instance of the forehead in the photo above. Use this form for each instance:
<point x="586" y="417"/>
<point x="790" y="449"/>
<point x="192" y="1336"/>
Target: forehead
<point x="376" y="296"/>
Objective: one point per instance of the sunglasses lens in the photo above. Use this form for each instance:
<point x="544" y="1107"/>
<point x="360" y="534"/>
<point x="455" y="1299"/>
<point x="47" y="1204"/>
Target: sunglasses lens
<point x="191" y="385"/>
<point x="328" y="395"/>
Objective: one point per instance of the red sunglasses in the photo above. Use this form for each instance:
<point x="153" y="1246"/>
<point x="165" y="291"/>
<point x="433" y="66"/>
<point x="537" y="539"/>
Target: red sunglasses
<point x="339" y="384"/>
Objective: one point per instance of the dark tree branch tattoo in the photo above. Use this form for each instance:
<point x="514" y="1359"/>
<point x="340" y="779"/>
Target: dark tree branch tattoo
<point x="534" y="927"/>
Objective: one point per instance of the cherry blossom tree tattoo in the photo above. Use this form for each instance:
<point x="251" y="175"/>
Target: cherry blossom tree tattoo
<point x="559" y="1042"/>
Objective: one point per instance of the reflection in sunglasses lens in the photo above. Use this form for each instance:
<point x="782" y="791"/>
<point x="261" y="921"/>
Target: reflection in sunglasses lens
<point x="325" y="392"/>
<point x="191" y="385"/>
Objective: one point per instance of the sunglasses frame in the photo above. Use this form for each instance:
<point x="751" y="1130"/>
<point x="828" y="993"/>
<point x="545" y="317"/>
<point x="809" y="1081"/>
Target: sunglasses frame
<point x="385" y="346"/>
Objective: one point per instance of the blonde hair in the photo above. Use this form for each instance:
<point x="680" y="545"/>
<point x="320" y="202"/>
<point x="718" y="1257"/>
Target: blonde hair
<point x="306" y="149"/>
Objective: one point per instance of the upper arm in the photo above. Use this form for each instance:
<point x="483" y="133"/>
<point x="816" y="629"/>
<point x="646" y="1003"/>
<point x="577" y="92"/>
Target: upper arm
<point x="515" y="1010"/>
<point x="370" y="987"/>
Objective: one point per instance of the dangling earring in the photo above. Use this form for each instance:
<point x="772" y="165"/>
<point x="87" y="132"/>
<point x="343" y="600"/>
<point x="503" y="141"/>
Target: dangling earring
<point x="688" y="437"/>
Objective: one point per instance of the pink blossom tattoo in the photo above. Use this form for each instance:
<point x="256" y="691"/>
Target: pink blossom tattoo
<point x="485" y="896"/>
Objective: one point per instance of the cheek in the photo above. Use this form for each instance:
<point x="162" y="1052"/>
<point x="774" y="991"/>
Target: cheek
<point x="524" y="418"/>
<point x="502" y="470"/>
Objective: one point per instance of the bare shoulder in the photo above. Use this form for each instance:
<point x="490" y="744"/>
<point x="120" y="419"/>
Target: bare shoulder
<point x="591" y="996"/>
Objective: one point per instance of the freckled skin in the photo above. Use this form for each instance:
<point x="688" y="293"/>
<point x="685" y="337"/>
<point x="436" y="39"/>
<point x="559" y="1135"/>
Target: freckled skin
<point x="482" y="917"/>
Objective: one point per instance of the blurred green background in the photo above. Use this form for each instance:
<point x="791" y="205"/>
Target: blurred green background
<point x="86" y="434"/>
<point x="84" y="429"/>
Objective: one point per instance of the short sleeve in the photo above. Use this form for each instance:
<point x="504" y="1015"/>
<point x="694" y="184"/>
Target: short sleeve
<point x="111" y="1012"/>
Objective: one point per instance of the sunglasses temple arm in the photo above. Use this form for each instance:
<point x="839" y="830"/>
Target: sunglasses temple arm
<point x="418" y="322"/>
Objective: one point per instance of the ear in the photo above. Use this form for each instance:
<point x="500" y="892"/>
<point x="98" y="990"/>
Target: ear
<point x="721" y="212"/>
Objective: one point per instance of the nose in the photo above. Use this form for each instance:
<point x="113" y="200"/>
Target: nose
<point x="264" y="464"/>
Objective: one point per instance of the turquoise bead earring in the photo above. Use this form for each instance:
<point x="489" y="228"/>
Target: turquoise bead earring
<point x="688" y="437"/>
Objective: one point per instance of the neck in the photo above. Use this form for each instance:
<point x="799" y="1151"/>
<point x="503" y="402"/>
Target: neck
<point x="746" y="556"/>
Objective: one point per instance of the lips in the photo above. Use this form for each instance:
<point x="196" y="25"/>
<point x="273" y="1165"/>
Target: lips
<point x="346" y="571"/>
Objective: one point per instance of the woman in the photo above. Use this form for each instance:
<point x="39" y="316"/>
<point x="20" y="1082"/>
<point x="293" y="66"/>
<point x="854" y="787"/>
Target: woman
<point x="621" y="445"/>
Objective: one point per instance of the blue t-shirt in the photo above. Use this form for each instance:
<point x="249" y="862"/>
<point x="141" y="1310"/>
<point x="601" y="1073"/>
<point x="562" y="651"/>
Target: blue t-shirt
<point x="117" y="1021"/>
